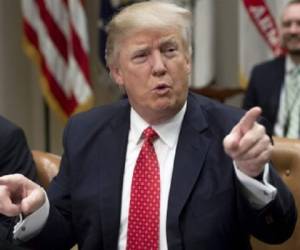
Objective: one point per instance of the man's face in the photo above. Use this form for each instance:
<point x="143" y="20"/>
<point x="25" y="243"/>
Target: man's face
<point x="153" y="67"/>
<point x="290" y="29"/>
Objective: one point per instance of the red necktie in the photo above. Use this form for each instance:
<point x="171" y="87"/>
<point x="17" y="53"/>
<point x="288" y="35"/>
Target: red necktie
<point x="143" y="221"/>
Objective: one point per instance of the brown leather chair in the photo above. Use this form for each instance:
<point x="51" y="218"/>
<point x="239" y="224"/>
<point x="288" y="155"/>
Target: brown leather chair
<point x="47" y="166"/>
<point x="286" y="160"/>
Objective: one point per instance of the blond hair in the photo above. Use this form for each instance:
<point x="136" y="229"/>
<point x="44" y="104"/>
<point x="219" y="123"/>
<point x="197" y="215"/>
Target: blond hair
<point x="147" y="15"/>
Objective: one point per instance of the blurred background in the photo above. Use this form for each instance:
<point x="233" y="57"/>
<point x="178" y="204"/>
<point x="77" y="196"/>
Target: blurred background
<point x="226" y="45"/>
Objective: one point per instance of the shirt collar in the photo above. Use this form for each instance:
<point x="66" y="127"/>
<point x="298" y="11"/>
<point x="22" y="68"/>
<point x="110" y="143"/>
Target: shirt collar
<point x="168" y="131"/>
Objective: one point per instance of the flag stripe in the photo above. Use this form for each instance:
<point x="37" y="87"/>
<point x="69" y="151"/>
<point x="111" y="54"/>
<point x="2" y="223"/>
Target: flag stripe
<point x="56" y="63"/>
<point x="57" y="37"/>
<point x="56" y="32"/>
<point x="56" y="90"/>
<point x="53" y="84"/>
<point x="80" y="90"/>
<point x="30" y="34"/>
<point x="78" y="20"/>
<point x="59" y="13"/>
<point x="80" y="55"/>
<point x="33" y="39"/>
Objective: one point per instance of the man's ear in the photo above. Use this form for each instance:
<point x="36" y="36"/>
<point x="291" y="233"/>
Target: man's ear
<point x="116" y="74"/>
<point x="188" y="64"/>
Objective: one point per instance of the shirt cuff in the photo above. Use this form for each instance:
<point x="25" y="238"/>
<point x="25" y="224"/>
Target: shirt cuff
<point x="258" y="193"/>
<point x="32" y="224"/>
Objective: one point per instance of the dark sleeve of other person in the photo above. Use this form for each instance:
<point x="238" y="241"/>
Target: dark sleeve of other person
<point x="15" y="157"/>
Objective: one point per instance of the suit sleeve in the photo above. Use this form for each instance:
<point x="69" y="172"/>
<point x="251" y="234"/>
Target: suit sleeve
<point x="274" y="223"/>
<point x="15" y="155"/>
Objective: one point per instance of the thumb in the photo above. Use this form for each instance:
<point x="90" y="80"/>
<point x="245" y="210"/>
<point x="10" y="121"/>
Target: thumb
<point x="231" y="141"/>
<point x="33" y="201"/>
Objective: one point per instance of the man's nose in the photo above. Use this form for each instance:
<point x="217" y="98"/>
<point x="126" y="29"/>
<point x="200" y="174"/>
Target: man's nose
<point x="158" y="64"/>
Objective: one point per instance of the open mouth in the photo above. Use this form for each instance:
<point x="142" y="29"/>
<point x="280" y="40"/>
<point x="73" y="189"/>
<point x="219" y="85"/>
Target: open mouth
<point x="162" y="88"/>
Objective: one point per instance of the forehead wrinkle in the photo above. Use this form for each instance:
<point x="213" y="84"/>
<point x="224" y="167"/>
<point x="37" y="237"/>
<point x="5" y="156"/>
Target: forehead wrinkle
<point x="168" y="39"/>
<point x="143" y="44"/>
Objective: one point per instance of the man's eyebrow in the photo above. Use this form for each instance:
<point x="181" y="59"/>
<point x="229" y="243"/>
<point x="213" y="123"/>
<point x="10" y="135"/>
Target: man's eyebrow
<point x="140" y="47"/>
<point x="168" y="40"/>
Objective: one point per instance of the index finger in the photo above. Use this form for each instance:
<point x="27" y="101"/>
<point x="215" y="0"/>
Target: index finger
<point x="248" y="120"/>
<point x="11" y="180"/>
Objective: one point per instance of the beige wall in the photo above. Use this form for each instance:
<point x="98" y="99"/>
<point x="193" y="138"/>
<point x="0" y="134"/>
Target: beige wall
<point x="20" y="97"/>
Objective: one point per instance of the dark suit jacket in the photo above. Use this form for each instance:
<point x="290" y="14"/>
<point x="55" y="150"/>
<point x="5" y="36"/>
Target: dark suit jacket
<point x="264" y="89"/>
<point x="206" y="209"/>
<point x="15" y="157"/>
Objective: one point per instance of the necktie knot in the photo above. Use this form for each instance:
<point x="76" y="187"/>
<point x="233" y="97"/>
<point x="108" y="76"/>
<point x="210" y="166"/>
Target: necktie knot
<point x="149" y="134"/>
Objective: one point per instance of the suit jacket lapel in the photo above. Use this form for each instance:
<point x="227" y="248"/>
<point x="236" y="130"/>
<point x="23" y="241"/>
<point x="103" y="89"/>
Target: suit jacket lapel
<point x="112" y="160"/>
<point x="191" y="150"/>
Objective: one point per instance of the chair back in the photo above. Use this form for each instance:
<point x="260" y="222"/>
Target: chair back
<point x="286" y="160"/>
<point x="47" y="166"/>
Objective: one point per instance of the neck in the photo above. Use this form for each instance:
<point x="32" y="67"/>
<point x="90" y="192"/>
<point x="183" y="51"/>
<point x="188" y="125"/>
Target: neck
<point x="156" y="119"/>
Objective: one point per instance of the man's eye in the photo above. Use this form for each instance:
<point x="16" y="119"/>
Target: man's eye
<point x="140" y="55"/>
<point x="286" y="24"/>
<point x="170" y="51"/>
<point x="138" y="58"/>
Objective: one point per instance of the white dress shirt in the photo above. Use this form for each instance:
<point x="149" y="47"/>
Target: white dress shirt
<point x="165" y="148"/>
<point x="259" y="194"/>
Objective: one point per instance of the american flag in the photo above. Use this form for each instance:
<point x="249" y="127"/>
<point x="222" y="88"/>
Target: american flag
<point x="55" y="35"/>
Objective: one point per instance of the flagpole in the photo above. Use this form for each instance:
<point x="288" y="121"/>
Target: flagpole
<point x="46" y="126"/>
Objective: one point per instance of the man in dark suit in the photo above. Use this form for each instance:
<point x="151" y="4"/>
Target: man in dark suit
<point x="264" y="89"/>
<point x="268" y="81"/>
<point x="215" y="184"/>
<point x="15" y="157"/>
